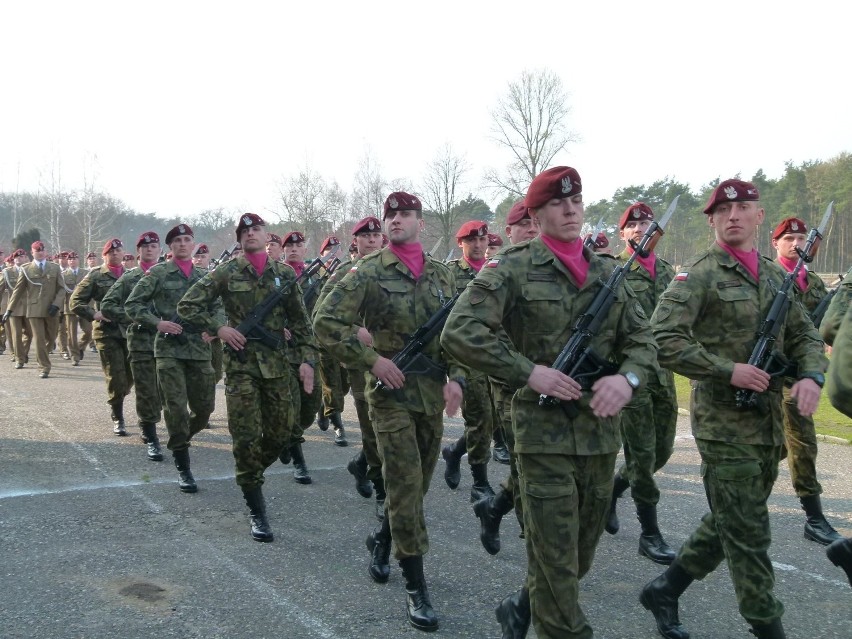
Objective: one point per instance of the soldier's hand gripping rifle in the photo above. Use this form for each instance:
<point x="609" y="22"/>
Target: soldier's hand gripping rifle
<point x="577" y="359"/>
<point x="411" y="360"/>
<point x="252" y="326"/>
<point x="824" y="303"/>
<point x="763" y="355"/>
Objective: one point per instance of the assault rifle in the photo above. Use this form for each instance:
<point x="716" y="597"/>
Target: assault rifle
<point x="589" y="242"/>
<point x="577" y="359"/>
<point x="312" y="292"/>
<point x="180" y="338"/>
<point x="411" y="359"/>
<point x="822" y="307"/>
<point x="763" y="355"/>
<point x="224" y="255"/>
<point x="252" y="326"/>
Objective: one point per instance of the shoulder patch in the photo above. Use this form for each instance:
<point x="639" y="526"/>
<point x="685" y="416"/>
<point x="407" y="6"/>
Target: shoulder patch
<point x="682" y="276"/>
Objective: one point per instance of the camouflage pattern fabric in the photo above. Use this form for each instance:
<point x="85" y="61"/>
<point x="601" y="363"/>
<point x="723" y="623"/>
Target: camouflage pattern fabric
<point x="305" y="411"/>
<point x="185" y="382"/>
<point x="335" y="384"/>
<point x="502" y="398"/>
<point x="837" y="310"/>
<point x="94" y="288"/>
<point x="115" y="361"/>
<point x="838" y="384"/>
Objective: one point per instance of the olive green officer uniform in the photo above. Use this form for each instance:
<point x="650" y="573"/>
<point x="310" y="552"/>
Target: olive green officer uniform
<point x="20" y="335"/>
<point x="4" y="302"/>
<point x="705" y="322"/>
<point x="565" y="465"/>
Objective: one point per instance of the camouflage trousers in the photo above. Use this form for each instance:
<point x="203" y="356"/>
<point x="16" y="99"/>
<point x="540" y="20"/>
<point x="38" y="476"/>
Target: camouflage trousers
<point x="144" y="369"/>
<point x="43" y="330"/>
<point x="648" y="425"/>
<point x="188" y="393"/>
<point x="409" y="443"/>
<point x="738" y="479"/>
<point x="116" y="365"/>
<point x="217" y="356"/>
<point x="358" y="382"/>
<point x="502" y="398"/>
<point x="261" y="412"/>
<point x="478" y="420"/>
<point x="309" y="403"/>
<point x="566" y="500"/>
<point x="20" y="338"/>
<point x="335" y="384"/>
<point x="800" y="448"/>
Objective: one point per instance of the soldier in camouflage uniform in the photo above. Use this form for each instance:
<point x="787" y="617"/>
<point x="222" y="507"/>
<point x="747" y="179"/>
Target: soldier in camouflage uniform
<point x="705" y="325"/>
<point x="472" y="239"/>
<point x="201" y="259"/>
<point x="259" y="390"/>
<point x="649" y="421"/>
<point x="837" y="309"/>
<point x="110" y="337"/>
<point x="535" y="291"/>
<point x="185" y="375"/>
<point x="800" y="440"/>
<point x="140" y="343"/>
<point x="390" y="293"/>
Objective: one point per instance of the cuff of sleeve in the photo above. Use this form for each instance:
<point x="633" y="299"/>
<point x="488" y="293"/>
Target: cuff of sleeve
<point x="370" y="357"/>
<point x="520" y="372"/>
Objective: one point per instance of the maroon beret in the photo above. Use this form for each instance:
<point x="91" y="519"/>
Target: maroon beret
<point x="518" y="212"/>
<point x="38" y="245"/>
<point x="114" y="243"/>
<point x="90" y="254"/>
<point x="180" y="229"/>
<point x="129" y="257"/>
<point x="474" y="228"/>
<point x="248" y="220"/>
<point x="73" y="255"/>
<point x="202" y="249"/>
<point x="367" y="225"/>
<point x="494" y="240"/>
<point x="731" y="191"/>
<point x="635" y="213"/>
<point x="555" y="183"/>
<point x="9" y="259"/>
<point x="18" y="253"/>
<point x="328" y="242"/>
<point x="789" y="225"/>
<point x="401" y="201"/>
<point x="273" y="239"/>
<point x="353" y="247"/>
<point x="62" y="254"/>
<point x="148" y="237"/>
<point x="601" y="241"/>
<point x="293" y="237"/>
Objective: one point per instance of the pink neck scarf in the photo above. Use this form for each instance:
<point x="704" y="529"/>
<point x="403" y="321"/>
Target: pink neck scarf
<point x="411" y="255"/>
<point x="185" y="266"/>
<point x="571" y="255"/>
<point x="118" y="271"/>
<point x="747" y="258"/>
<point x="476" y="265"/>
<point x="145" y="266"/>
<point x="258" y="261"/>
<point x="648" y="263"/>
<point x="801" y="278"/>
<point x="296" y="266"/>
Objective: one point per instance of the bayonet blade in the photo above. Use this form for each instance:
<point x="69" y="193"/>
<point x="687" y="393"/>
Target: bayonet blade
<point x="825" y="218"/>
<point x="668" y="215"/>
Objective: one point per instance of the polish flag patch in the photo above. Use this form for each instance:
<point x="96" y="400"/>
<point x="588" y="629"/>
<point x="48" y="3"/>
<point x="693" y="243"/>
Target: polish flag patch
<point x="494" y="263"/>
<point x="681" y="277"/>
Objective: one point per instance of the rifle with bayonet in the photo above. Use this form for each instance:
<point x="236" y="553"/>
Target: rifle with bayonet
<point x="589" y="242"/>
<point x="224" y="255"/>
<point x="309" y="297"/>
<point x="822" y="307"/>
<point x="411" y="360"/>
<point x="763" y="355"/>
<point x="577" y="359"/>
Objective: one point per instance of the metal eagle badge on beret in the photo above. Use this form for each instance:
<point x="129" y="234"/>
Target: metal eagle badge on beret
<point x="372" y="226"/>
<point x="247" y="220"/>
<point x="393" y="202"/>
<point x="794" y="226"/>
<point x="730" y="192"/>
<point x="566" y="184"/>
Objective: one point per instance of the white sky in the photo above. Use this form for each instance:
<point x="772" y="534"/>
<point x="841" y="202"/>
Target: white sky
<point x="194" y="105"/>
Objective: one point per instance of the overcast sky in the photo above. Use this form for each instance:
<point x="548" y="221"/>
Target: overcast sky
<point x="181" y="106"/>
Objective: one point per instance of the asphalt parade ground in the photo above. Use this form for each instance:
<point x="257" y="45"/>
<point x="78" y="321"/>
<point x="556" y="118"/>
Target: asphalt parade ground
<point x="97" y="541"/>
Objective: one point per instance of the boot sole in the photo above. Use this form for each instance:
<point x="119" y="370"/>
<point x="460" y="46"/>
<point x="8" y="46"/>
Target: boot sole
<point x="662" y="561"/>
<point x="303" y="480"/>
<point x="189" y="489"/>
<point x="423" y="628"/>
<point x="264" y="538"/>
<point x="155" y="458"/>
<point x="821" y="540"/>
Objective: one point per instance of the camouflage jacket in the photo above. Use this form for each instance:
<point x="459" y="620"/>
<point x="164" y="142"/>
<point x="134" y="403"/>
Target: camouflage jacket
<point x="464" y="274"/>
<point x="71" y="280"/>
<point x="241" y="290"/>
<point x="707" y="320"/>
<point x="94" y="288"/>
<point x="155" y="298"/>
<point x="812" y="295"/>
<point x="139" y="338"/>
<point x="379" y="293"/>
<point x="837" y="310"/>
<point x="528" y="292"/>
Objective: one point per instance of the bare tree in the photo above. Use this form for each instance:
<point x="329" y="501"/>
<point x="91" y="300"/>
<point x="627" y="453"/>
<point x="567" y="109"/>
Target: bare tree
<point x="531" y="122"/>
<point x="93" y="210"/>
<point x="311" y="205"/>
<point x="58" y="204"/>
<point x="442" y="185"/>
<point x="369" y="189"/>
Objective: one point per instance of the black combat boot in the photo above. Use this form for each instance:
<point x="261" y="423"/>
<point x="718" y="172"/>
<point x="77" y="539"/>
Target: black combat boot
<point x="514" y="615"/>
<point x="186" y="481"/>
<point x="481" y="488"/>
<point x="322" y="420"/>
<point x="117" y="414"/>
<point x="490" y="512"/>
<point x="619" y="485"/>
<point x="357" y="467"/>
<point x="452" y="454"/>
<point x="660" y="597"/>
<point x="339" y="433"/>
<point x="500" y="454"/>
<point x="817" y="527"/>
<point x="840" y="554"/>
<point x="379" y="546"/>
<point x="420" y="612"/>
<point x="651" y="542"/>
<point x="381" y="495"/>
<point x="260" y="529"/>
<point x="773" y="630"/>
<point x="300" y="468"/>
<point x="149" y="436"/>
<point x="285" y="457"/>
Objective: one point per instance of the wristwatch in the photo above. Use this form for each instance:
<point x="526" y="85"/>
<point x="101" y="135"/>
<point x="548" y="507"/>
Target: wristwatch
<point x="819" y="378"/>
<point x="632" y="379"/>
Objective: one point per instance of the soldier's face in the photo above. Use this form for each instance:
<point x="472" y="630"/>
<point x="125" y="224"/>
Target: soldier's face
<point x="634" y="230"/>
<point x="38" y="255"/>
<point x="181" y="247"/>
<point x="73" y="262"/>
<point x="295" y="252"/>
<point x="253" y="239"/>
<point x="149" y="252"/>
<point x="473" y="248"/>
<point x="562" y="218"/>
<point x="403" y="227"/>
<point x="735" y="223"/>
<point x="524" y="230"/>
<point x="366" y="243"/>
<point x="787" y="244"/>
<point x="91" y="262"/>
<point x="202" y="260"/>
<point x="492" y="251"/>
<point x="274" y="251"/>
<point x="115" y="257"/>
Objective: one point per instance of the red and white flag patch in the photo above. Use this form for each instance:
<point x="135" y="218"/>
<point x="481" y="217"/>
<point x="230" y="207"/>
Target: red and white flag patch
<point x="681" y="277"/>
<point x="493" y="263"/>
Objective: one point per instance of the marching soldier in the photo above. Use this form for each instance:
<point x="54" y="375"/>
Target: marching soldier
<point x="705" y="325"/>
<point x="649" y="421"/>
<point x="837" y="309"/>
<point x="4" y="300"/>
<point x="72" y="276"/>
<point x="62" y="330"/>
<point x="274" y="248"/>
<point x="800" y="442"/>
<point x="40" y="285"/>
<point x="20" y="336"/>
<point x="110" y="336"/>
<point x="140" y="343"/>
<point x="495" y="243"/>
<point x="565" y="462"/>
<point x="201" y="257"/>
<point x="390" y="293"/>
<point x="260" y="388"/>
